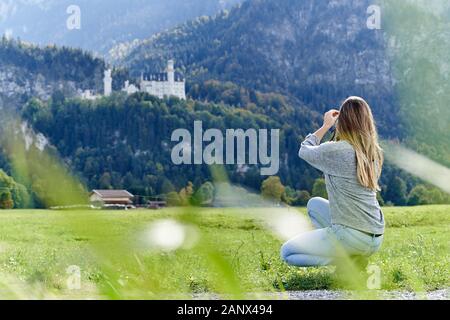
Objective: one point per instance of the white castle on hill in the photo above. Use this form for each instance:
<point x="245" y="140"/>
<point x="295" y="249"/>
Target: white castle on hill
<point x="166" y="84"/>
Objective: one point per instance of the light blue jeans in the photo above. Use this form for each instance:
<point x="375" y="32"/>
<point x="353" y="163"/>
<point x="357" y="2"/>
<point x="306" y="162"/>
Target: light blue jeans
<point x="329" y="243"/>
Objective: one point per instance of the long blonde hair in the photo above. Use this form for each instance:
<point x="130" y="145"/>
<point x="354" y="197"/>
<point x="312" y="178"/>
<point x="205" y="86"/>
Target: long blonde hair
<point x="356" y="125"/>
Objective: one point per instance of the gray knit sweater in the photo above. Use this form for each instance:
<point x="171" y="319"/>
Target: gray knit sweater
<point x="351" y="204"/>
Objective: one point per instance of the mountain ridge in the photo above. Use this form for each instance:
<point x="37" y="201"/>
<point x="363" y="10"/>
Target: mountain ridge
<point x="315" y="54"/>
<point x="103" y="23"/>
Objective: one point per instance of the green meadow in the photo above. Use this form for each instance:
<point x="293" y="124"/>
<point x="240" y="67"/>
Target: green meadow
<point x="230" y="251"/>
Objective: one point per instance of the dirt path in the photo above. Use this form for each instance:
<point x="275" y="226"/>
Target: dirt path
<point x="443" y="294"/>
<point x="389" y="295"/>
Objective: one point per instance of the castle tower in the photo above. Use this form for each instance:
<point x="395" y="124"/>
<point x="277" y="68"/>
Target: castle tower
<point x="107" y="83"/>
<point x="170" y="71"/>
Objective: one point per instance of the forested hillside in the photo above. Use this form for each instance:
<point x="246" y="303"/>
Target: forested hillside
<point x="30" y="71"/>
<point x="124" y="142"/>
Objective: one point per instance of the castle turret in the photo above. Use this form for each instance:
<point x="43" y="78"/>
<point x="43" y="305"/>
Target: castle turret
<point x="107" y="83"/>
<point x="170" y="71"/>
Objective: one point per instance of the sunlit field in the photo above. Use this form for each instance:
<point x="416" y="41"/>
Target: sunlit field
<point x="114" y="254"/>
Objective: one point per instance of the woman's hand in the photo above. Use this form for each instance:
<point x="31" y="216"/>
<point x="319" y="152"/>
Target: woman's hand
<point x="330" y="118"/>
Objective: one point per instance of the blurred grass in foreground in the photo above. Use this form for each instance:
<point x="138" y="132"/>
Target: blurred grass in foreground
<point x="38" y="167"/>
<point x="36" y="248"/>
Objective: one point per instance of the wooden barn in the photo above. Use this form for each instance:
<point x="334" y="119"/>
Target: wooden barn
<point x="111" y="197"/>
